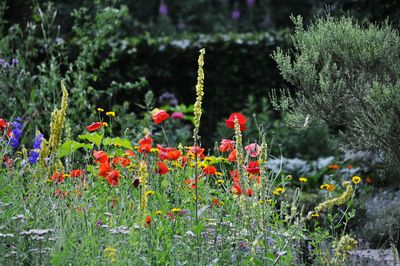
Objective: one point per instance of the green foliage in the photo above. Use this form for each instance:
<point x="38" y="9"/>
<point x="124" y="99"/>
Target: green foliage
<point x="347" y="75"/>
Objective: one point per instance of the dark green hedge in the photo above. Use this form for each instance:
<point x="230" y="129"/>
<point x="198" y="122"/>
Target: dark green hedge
<point x="236" y="65"/>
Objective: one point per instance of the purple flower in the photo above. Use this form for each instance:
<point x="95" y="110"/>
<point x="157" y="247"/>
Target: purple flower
<point x="168" y="98"/>
<point x="235" y="15"/>
<point x="14" y="62"/>
<point x="163" y="9"/>
<point x="250" y="3"/>
<point x="35" y="152"/>
<point x="16" y="132"/>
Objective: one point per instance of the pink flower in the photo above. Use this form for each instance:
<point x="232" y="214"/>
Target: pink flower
<point x="253" y="149"/>
<point x="178" y="115"/>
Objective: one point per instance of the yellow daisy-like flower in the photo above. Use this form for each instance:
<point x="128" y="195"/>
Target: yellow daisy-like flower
<point x="100" y="110"/>
<point x="220" y="182"/>
<point x="175" y="210"/>
<point x="208" y="159"/>
<point x="110" y="113"/>
<point x="117" y="144"/>
<point x="153" y="150"/>
<point x="303" y="179"/>
<point x="158" y="212"/>
<point x="356" y="179"/>
<point x="218" y="173"/>
<point x="105" y="124"/>
<point x="278" y="190"/>
<point x="149" y="193"/>
<point x="67" y="175"/>
<point x="329" y="187"/>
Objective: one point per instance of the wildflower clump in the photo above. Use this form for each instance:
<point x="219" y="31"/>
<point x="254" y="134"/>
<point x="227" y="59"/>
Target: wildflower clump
<point x="345" y="244"/>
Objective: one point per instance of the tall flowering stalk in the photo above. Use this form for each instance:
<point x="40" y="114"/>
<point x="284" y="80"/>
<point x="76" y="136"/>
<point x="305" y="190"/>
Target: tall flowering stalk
<point x="239" y="150"/>
<point x="16" y="132"/>
<point x="143" y="174"/>
<point x="197" y="117"/>
<point x="37" y="147"/>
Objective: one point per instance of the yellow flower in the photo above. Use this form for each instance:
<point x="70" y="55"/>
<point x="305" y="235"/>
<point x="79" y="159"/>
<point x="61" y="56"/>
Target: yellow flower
<point x="100" y="110"/>
<point x="117" y="144"/>
<point x="149" y="193"/>
<point x="67" y="175"/>
<point x="329" y="187"/>
<point x="110" y="113"/>
<point x="315" y="214"/>
<point x="175" y="210"/>
<point x="278" y="190"/>
<point x="105" y="124"/>
<point x="110" y="253"/>
<point x="220" y="182"/>
<point x="158" y="212"/>
<point x="356" y="179"/>
<point x="218" y="173"/>
<point x="153" y="150"/>
<point x="208" y="159"/>
<point x="303" y="179"/>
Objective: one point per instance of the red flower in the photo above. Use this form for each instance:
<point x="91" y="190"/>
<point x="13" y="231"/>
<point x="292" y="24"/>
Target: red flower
<point x="255" y="177"/>
<point x="234" y="174"/>
<point x="113" y="178"/>
<point x="237" y="189"/>
<point x="3" y="124"/>
<point x="232" y="156"/>
<point x="121" y="160"/>
<point x="241" y="120"/>
<point x="77" y="173"/>
<point x="94" y="126"/>
<point x="194" y="150"/>
<point x="145" y="144"/>
<point x="57" y="177"/>
<point x="253" y="149"/>
<point x="253" y="167"/>
<point x="104" y="168"/>
<point x="148" y="220"/>
<point x="168" y="153"/>
<point x="162" y="169"/>
<point x="210" y="170"/>
<point x="249" y="192"/>
<point x="226" y="145"/>
<point x="159" y="116"/>
<point x="100" y="156"/>
<point x="130" y="153"/>
<point x="216" y="201"/>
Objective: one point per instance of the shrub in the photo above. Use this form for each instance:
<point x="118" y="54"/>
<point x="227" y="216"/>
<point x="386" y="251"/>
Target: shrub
<point x="347" y="75"/>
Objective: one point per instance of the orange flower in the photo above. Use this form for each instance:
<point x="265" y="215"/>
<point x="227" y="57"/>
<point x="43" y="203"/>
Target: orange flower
<point x="94" y="126"/>
<point x="241" y="120"/>
<point x="215" y="201"/>
<point x="226" y="145"/>
<point x="57" y="177"/>
<point x="249" y="192"/>
<point x="77" y="173"/>
<point x="334" y="166"/>
<point x="100" y="156"/>
<point x="210" y="170"/>
<point x="168" y="153"/>
<point x="237" y="189"/>
<point x="148" y="220"/>
<point x="162" y="168"/>
<point x="159" y="116"/>
<point x="145" y="144"/>
<point x="104" y="168"/>
<point x="122" y="161"/>
<point x="232" y="156"/>
<point x="113" y="178"/>
<point x="194" y="150"/>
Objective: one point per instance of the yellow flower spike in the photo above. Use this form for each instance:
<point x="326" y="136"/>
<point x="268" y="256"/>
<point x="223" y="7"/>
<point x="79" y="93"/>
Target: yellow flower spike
<point x="356" y="179"/>
<point x="199" y="96"/>
<point x="110" y="253"/>
<point x="100" y="110"/>
<point x="105" y="124"/>
<point x="303" y="179"/>
<point x="110" y="113"/>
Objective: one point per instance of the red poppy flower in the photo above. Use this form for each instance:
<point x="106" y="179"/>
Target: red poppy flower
<point x="237" y="189"/>
<point x="232" y="156"/>
<point x="253" y="149"/>
<point x="168" y="153"/>
<point x="253" y="167"/>
<point x="94" y="126"/>
<point x="226" y="145"/>
<point x="130" y="153"/>
<point x="145" y="148"/>
<point x="3" y="124"/>
<point x="184" y="160"/>
<point x="162" y="168"/>
<point x="210" y="170"/>
<point x="122" y="161"/>
<point x="100" y="156"/>
<point x="77" y="173"/>
<point x="159" y="116"/>
<point x="113" y="178"/>
<point x="148" y="220"/>
<point x="234" y="174"/>
<point x="215" y="201"/>
<point x="249" y="192"/>
<point x="198" y="151"/>
<point x="146" y="140"/>
<point x="241" y="120"/>
<point x="57" y="177"/>
<point x="104" y="168"/>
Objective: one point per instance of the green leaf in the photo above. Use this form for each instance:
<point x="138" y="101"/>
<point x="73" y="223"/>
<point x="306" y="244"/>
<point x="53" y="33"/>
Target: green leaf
<point x="70" y="146"/>
<point x="92" y="137"/>
<point x="118" y="141"/>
